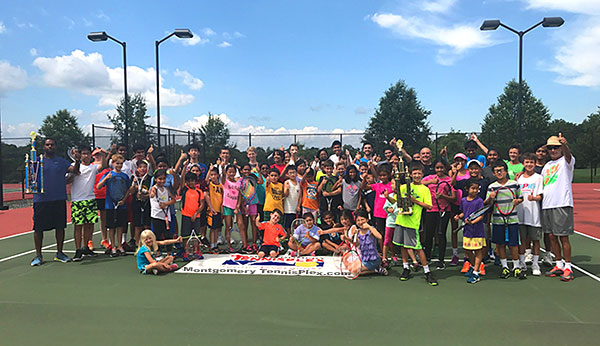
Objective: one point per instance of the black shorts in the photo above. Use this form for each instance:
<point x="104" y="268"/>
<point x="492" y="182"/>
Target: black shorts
<point x="120" y="220"/>
<point x="141" y="213"/>
<point x="287" y="220"/>
<point x="259" y="210"/>
<point x="187" y="225"/>
<point x="336" y="240"/>
<point x="159" y="227"/>
<point x="380" y="224"/>
<point x="268" y="248"/>
<point x="49" y="215"/>
<point x="215" y="221"/>
<point x="203" y="219"/>
<point x="100" y="202"/>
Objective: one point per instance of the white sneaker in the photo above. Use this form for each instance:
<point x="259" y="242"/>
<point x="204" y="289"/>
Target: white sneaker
<point x="529" y="258"/>
<point x="535" y="270"/>
<point x="547" y="259"/>
<point x="220" y="239"/>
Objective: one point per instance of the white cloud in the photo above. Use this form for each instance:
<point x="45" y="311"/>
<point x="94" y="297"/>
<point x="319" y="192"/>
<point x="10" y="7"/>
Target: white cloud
<point x="33" y="52"/>
<point x="208" y="32"/>
<point x="189" y="80"/>
<point x="438" y="6"/>
<point x="195" y="40"/>
<point x="591" y="7"/>
<point x="101" y="15"/>
<point x="13" y="77"/>
<point x="238" y="34"/>
<point x="2" y="28"/>
<point x="89" y="75"/>
<point x="17" y="130"/>
<point x="70" y="22"/>
<point x="224" y="44"/>
<point x="453" y="41"/>
<point x="86" y="22"/>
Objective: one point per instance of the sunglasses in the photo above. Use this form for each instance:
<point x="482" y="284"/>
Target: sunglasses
<point x="553" y="147"/>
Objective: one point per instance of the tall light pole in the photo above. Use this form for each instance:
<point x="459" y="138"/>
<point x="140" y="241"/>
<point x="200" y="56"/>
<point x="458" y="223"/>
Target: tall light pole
<point x="103" y="36"/>
<point x="547" y="22"/>
<point x="180" y="33"/>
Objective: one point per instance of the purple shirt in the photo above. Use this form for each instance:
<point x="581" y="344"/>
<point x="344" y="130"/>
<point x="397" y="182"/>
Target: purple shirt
<point x="368" y="249"/>
<point x="469" y="207"/>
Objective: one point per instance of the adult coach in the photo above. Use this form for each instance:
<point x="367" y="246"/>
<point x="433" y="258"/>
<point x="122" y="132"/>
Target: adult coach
<point x="50" y="207"/>
<point x="557" y="204"/>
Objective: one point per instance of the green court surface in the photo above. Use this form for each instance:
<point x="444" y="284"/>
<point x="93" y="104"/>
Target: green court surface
<point x="105" y="301"/>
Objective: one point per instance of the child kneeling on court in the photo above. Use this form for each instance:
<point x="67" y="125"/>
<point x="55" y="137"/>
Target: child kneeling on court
<point x="148" y="245"/>
<point x="306" y="237"/>
<point x="367" y="243"/>
<point x="473" y="233"/>
<point x="273" y="232"/>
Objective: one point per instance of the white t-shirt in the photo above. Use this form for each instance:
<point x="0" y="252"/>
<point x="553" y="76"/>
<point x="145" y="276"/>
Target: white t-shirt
<point x="334" y="158"/>
<point x="529" y="212"/>
<point x="162" y="195"/>
<point x="290" y="203"/>
<point x="82" y="188"/>
<point x="558" y="188"/>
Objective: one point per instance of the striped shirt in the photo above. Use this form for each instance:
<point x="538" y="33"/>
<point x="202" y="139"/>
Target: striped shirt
<point x="503" y="201"/>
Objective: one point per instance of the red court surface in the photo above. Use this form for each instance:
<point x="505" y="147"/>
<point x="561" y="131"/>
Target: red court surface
<point x="16" y="221"/>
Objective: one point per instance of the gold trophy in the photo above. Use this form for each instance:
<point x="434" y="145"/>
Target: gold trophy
<point x="401" y="177"/>
<point x="34" y="169"/>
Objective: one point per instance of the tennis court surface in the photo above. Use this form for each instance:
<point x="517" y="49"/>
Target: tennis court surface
<point x="106" y="301"/>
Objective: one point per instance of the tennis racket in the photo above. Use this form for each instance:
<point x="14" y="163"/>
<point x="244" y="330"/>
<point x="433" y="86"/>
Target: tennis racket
<point x="504" y="206"/>
<point x="236" y="238"/>
<point x="296" y="223"/>
<point x="248" y="190"/>
<point x="138" y="183"/>
<point x="193" y="246"/>
<point x="163" y="197"/>
<point x="118" y="186"/>
<point x="445" y="189"/>
<point x="348" y="259"/>
<point x="71" y="152"/>
<point x="474" y="215"/>
<point x="298" y="242"/>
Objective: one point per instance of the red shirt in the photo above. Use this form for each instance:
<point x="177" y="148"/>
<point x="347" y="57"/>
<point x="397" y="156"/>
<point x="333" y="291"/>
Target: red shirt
<point x="100" y="194"/>
<point x="271" y="233"/>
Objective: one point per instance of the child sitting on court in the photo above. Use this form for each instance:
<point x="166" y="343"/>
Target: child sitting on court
<point x="367" y="237"/>
<point x="306" y="237"/>
<point x="273" y="233"/>
<point x="146" y="263"/>
<point x="192" y="205"/>
<point x="473" y="233"/>
<point x="329" y="235"/>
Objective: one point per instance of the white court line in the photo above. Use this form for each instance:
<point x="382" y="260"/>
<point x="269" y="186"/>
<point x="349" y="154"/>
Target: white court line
<point x="587" y="236"/>
<point x="23" y="233"/>
<point x="33" y="251"/>
<point x="578" y="268"/>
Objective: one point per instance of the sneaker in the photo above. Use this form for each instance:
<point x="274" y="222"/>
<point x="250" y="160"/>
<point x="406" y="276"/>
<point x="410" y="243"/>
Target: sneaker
<point x="547" y="259"/>
<point x="535" y="270"/>
<point x="155" y="271"/>
<point x="114" y="254"/>
<point x="61" y="257"/>
<point x="186" y="257"/>
<point x="528" y="257"/>
<point x="382" y="271"/>
<point x="127" y="248"/>
<point x="312" y="254"/>
<point x="567" y="275"/>
<point x="37" y="261"/>
<point x="497" y="261"/>
<point x="465" y="267"/>
<point x="220" y="239"/>
<point x="405" y="274"/>
<point x="78" y="255"/>
<point x="440" y="265"/>
<point x="91" y="245"/>
<point x="121" y="252"/>
<point x="519" y="274"/>
<point x="473" y="279"/>
<point x="454" y="261"/>
<point x="554" y="272"/>
<point x="174" y="267"/>
<point x="204" y="241"/>
<point x="105" y="244"/>
<point x="416" y="267"/>
<point x="505" y="273"/>
<point x="482" y="269"/>
<point x="292" y="253"/>
<point x="430" y="279"/>
<point x="132" y="244"/>
<point x="87" y="252"/>
<point x="469" y="272"/>
<point x="108" y="250"/>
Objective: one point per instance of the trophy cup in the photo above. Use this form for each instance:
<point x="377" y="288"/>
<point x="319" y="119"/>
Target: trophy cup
<point x="402" y="177"/>
<point x="34" y="169"/>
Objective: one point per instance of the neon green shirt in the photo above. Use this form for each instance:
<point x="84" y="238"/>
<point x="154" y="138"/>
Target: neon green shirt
<point x="421" y="194"/>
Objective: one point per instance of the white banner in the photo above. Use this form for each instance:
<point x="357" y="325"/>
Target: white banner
<point x="252" y="265"/>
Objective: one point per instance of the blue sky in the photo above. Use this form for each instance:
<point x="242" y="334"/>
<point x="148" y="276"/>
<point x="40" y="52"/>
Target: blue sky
<point x="292" y="66"/>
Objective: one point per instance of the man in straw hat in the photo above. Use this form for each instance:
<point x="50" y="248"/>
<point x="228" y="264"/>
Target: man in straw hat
<point x="557" y="204"/>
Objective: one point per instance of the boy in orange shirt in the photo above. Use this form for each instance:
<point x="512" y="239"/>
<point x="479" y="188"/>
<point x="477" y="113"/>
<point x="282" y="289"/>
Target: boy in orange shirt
<point x="192" y="205"/>
<point x="273" y="232"/>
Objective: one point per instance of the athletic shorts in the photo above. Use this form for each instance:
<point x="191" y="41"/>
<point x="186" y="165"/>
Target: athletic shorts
<point x="389" y="234"/>
<point x="380" y="224"/>
<point x="506" y="235"/>
<point x="531" y="232"/>
<point x="141" y="213"/>
<point x="49" y="215"/>
<point x="336" y="240"/>
<point x="215" y="221"/>
<point x="406" y="237"/>
<point x="287" y="220"/>
<point x="228" y="211"/>
<point x="268" y="248"/>
<point x="84" y="212"/>
<point x="314" y="212"/>
<point x="100" y="203"/>
<point x="187" y="225"/>
<point x="249" y="210"/>
<point x="372" y="265"/>
<point x="203" y="219"/>
<point x="473" y="243"/>
<point x="120" y="220"/>
<point x="558" y="221"/>
<point x="159" y="227"/>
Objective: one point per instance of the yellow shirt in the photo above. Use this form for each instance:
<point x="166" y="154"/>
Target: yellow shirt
<point x="215" y="193"/>
<point x="274" y="197"/>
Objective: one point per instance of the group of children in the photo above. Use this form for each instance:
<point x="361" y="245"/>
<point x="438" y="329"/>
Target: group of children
<point x="338" y="199"/>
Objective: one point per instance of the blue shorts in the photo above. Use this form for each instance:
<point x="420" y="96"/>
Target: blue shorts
<point x="372" y="265"/>
<point x="502" y="236"/>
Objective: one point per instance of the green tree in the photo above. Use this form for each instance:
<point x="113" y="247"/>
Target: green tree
<point x="501" y="123"/>
<point x="399" y="115"/>
<point x="137" y="122"/>
<point x="13" y="165"/>
<point x="63" y="127"/>
<point x="214" y="135"/>
<point x="454" y="141"/>
<point x="585" y="143"/>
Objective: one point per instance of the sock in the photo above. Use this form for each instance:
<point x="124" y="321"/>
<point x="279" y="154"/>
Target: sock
<point x="522" y="261"/>
<point x="528" y="251"/>
<point x="536" y="259"/>
<point x="504" y="262"/>
<point x="426" y="269"/>
<point x="516" y="264"/>
<point x="560" y="264"/>
<point x="568" y="266"/>
<point x="405" y="265"/>
<point x="454" y="251"/>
